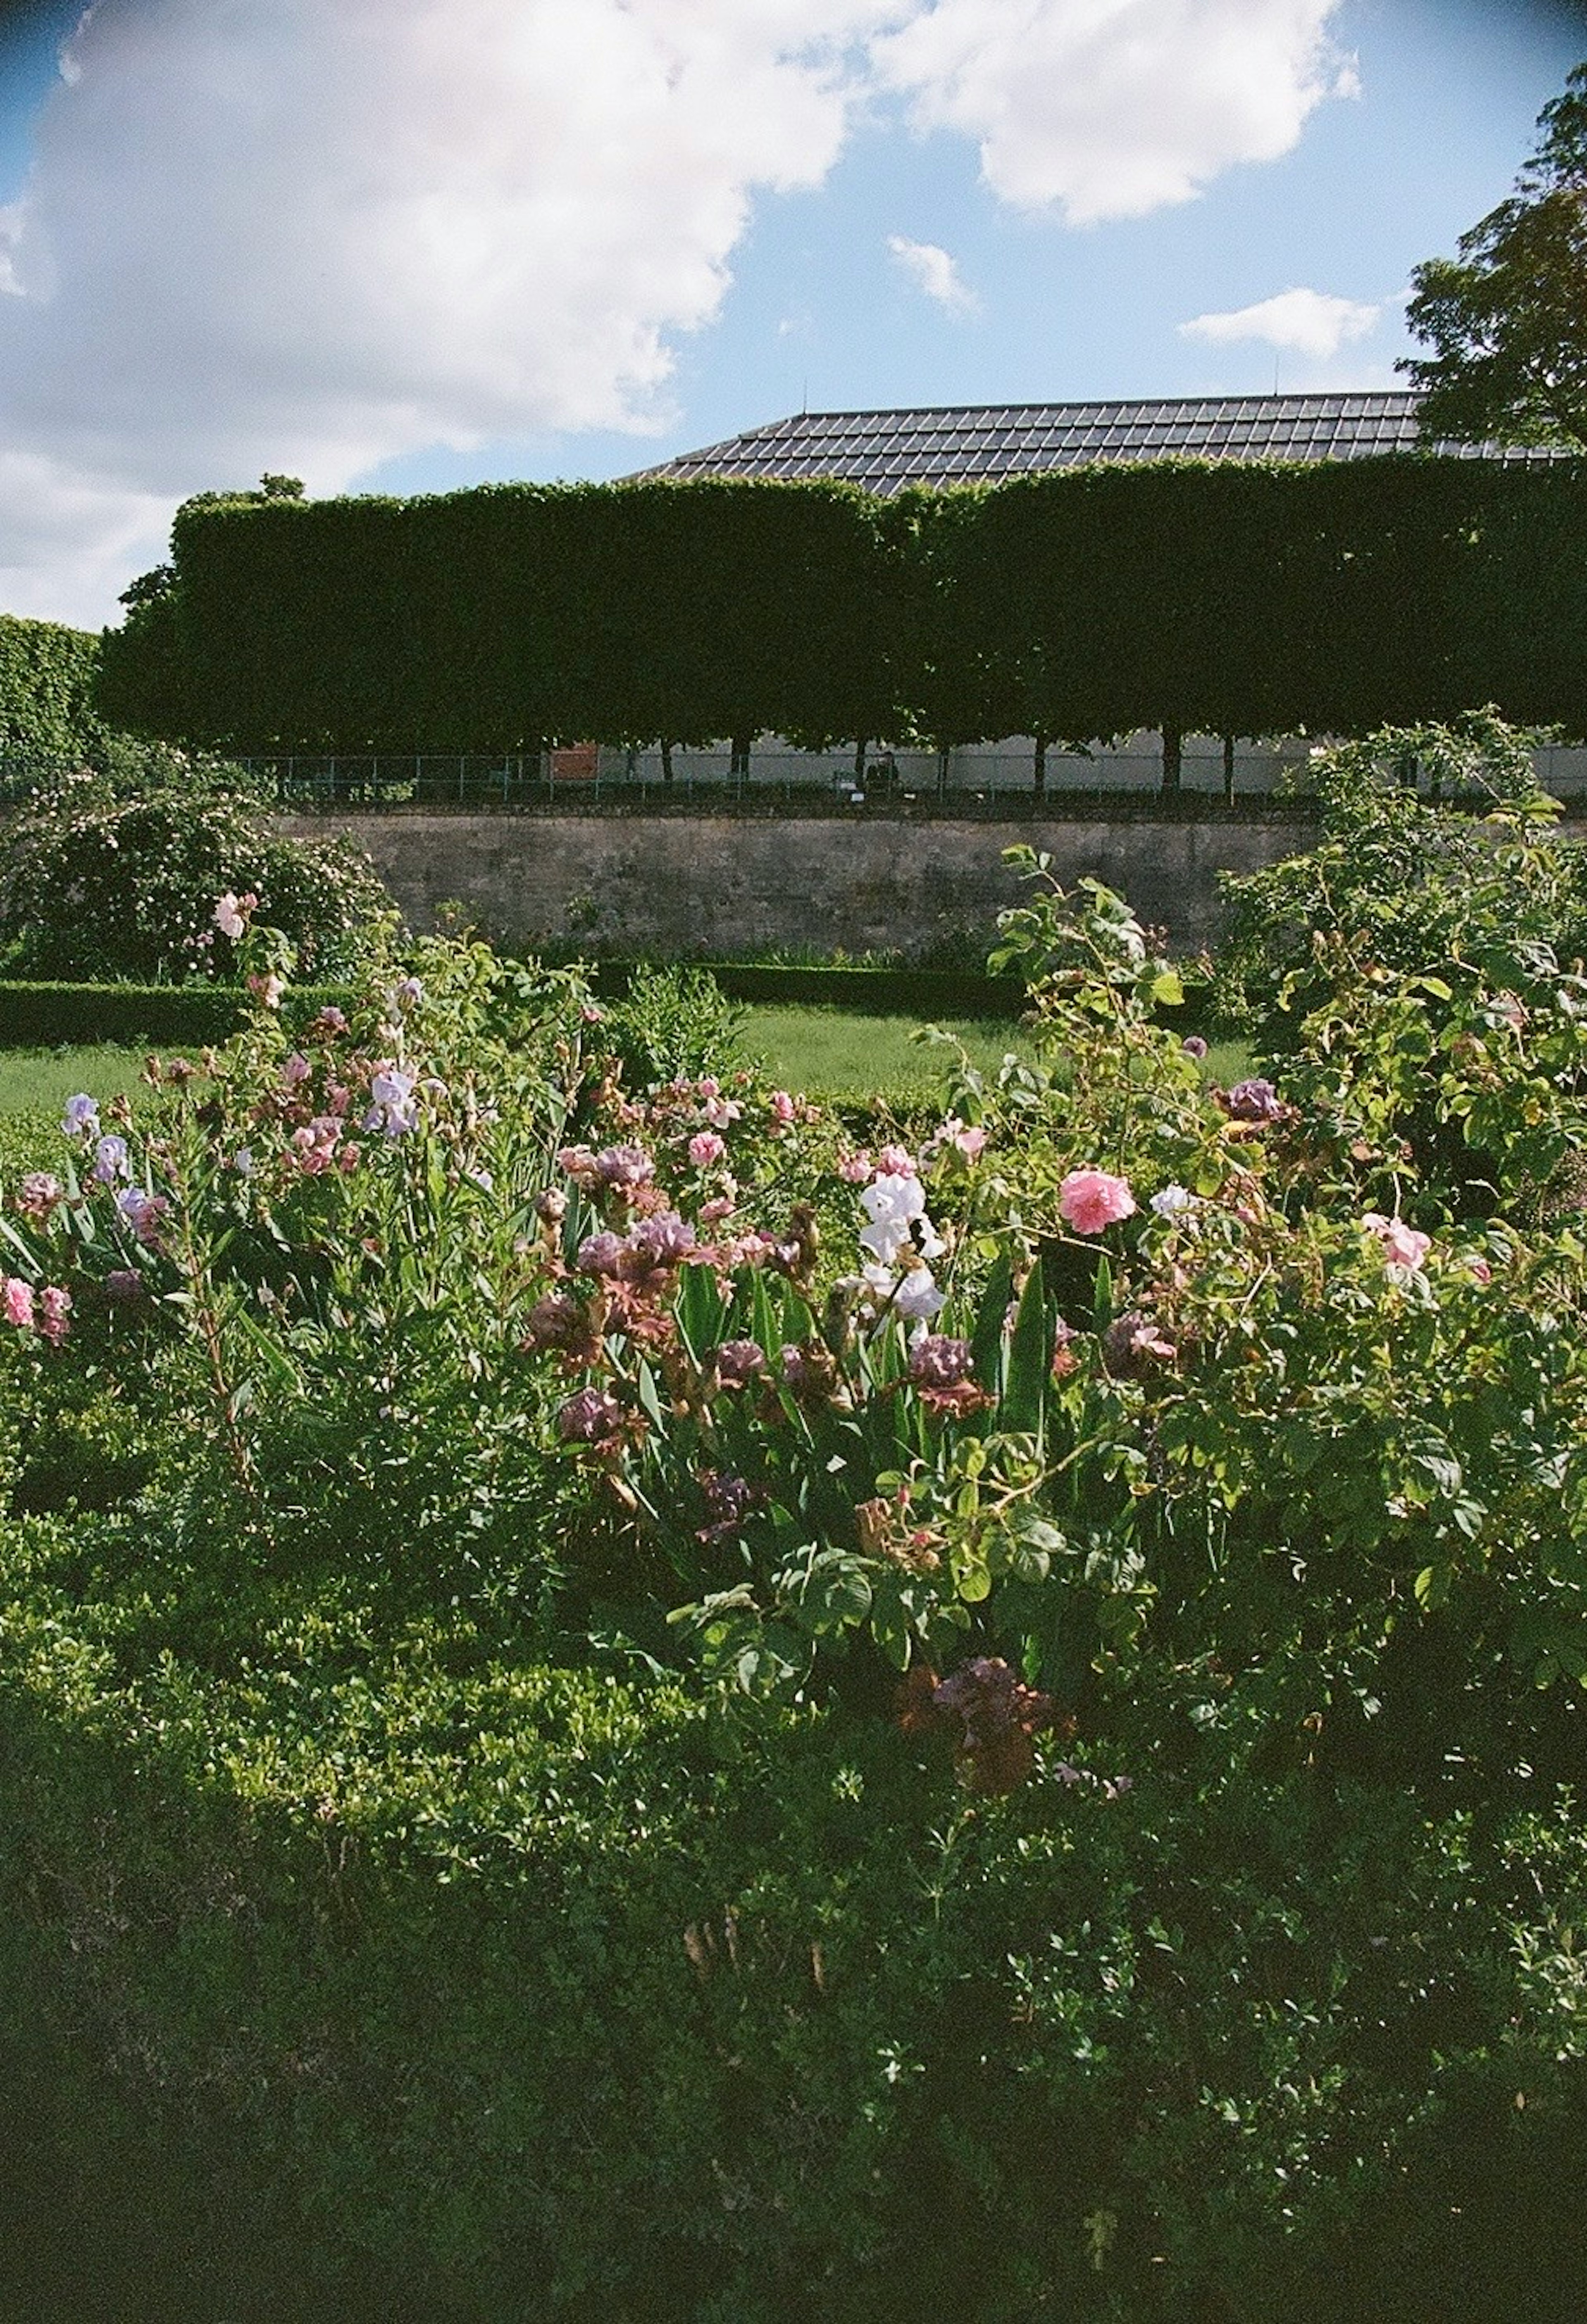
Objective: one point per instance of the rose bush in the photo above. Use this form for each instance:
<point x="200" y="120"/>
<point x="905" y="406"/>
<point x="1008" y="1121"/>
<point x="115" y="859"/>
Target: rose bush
<point x="121" y="875"/>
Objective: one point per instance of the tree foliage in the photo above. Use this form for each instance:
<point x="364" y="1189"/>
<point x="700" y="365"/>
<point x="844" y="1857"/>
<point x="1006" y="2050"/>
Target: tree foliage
<point x="1221" y="597"/>
<point x="47" y="674"/>
<point x="1507" y="319"/>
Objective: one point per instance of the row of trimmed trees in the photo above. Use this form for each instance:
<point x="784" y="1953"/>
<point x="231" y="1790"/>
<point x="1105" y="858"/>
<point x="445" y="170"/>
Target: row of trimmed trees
<point x="1216" y="598"/>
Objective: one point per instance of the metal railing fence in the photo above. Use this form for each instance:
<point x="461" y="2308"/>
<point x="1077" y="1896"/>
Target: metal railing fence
<point x="980" y="781"/>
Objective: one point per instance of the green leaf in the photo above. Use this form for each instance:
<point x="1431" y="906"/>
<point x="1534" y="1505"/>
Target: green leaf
<point x="700" y="1310"/>
<point x="987" y="1339"/>
<point x="1025" y="1388"/>
<point x="649" y="1396"/>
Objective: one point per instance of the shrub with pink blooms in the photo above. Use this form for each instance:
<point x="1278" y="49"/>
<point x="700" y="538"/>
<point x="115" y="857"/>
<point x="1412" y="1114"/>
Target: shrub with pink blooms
<point x="111" y="878"/>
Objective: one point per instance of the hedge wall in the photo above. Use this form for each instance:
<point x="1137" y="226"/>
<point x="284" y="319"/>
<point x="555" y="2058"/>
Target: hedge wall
<point x="186" y="1016"/>
<point x="47" y="678"/>
<point x="1218" y="598"/>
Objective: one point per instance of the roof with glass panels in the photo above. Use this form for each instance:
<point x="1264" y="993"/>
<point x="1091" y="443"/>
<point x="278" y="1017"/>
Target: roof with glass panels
<point x="884" y="451"/>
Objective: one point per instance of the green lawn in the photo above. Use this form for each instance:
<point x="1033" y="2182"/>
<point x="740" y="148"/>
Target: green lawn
<point x="35" y="1080"/>
<point x="830" y="1052"/>
<point x="835" y="1053"/>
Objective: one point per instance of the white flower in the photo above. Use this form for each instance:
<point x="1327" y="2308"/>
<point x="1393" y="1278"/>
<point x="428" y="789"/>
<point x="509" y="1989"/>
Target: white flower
<point x="1171" y="1199"/>
<point x="228" y="919"/>
<point x="917" y="1296"/>
<point x="895" y="1204"/>
<point x="912" y="1295"/>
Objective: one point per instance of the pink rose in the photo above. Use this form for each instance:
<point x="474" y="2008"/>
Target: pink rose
<point x="855" y="1170"/>
<point x="1481" y="1269"/>
<point x="1091" y="1200"/>
<point x="706" y="1147"/>
<point x="55" y="1301"/>
<point x="1402" y="1245"/>
<point x="18" y="1299"/>
<point x="896" y="1162"/>
<point x="782" y="1107"/>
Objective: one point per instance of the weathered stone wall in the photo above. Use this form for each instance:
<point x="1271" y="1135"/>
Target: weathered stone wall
<point x="712" y="884"/>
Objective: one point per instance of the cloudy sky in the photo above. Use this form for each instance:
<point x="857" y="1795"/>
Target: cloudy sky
<point x="407" y="244"/>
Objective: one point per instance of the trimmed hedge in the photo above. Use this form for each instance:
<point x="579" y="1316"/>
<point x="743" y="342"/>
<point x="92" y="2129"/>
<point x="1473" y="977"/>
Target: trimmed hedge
<point x="186" y="1016"/>
<point x="868" y="992"/>
<point x="48" y="674"/>
<point x="1222" y="598"/>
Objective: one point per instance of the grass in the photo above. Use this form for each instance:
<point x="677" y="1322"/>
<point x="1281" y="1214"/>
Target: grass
<point x="836" y="1053"/>
<point x="831" y="1053"/>
<point x="41" y="1080"/>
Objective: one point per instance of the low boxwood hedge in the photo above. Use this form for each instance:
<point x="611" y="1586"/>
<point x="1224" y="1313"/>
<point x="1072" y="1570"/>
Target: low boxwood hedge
<point x="178" y="1016"/>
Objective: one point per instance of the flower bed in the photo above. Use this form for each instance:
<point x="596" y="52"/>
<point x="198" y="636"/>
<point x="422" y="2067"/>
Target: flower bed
<point x="640" y="1702"/>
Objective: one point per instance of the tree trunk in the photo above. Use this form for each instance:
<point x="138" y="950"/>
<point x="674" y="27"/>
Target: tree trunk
<point x="1228" y="769"/>
<point x="1172" y="756"/>
<point x="860" y="748"/>
<point x="666" y="761"/>
<point x="1038" y="768"/>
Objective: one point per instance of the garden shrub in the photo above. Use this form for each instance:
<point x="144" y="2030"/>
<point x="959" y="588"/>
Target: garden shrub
<point x="670" y="1022"/>
<point x="633" y="1702"/>
<point x="100" y="881"/>
<point x="1467" y="871"/>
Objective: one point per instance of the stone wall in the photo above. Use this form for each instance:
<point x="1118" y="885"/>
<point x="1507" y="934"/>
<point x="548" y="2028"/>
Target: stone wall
<point x="714" y="884"/>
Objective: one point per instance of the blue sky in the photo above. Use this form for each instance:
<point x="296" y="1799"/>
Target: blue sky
<point x="408" y="245"/>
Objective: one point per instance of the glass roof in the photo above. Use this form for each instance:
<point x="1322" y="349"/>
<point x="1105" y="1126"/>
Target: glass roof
<point x="884" y="451"/>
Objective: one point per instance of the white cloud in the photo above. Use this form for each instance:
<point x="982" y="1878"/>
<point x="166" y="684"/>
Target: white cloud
<point x="1110" y="108"/>
<point x="1307" y="322"/>
<point x="933" y="271"/>
<point x="311" y="235"/>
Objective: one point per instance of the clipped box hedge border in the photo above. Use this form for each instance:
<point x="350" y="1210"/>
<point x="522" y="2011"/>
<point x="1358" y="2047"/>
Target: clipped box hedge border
<point x="192" y="1015"/>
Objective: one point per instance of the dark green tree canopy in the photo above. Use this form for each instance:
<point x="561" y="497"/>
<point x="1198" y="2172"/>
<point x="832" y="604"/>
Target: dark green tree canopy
<point x="1507" y="320"/>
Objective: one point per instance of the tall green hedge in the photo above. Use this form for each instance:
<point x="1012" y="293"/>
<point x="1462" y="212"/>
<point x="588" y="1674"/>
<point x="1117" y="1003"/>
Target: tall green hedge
<point x="47" y="677"/>
<point x="1226" y="598"/>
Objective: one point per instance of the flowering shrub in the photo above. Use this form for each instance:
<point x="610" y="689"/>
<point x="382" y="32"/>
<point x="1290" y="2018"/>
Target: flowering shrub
<point x="99" y="882"/>
<point x="1402" y="884"/>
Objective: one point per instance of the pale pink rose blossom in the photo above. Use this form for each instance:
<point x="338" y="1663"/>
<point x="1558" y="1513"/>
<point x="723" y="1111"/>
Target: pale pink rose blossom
<point x="228" y="917"/>
<point x="39" y="1195"/>
<point x="1093" y="1200"/>
<point x="1402" y="1245"/>
<point x="18" y="1301"/>
<point x="896" y="1162"/>
<point x="855" y="1170"/>
<point x="782" y="1108"/>
<point x="296" y="1068"/>
<point x="971" y="1142"/>
<point x="706" y="1147"/>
